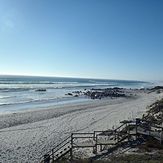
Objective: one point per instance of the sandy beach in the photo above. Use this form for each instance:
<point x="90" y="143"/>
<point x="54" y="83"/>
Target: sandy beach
<point x="81" y="81"/>
<point x="26" y="136"/>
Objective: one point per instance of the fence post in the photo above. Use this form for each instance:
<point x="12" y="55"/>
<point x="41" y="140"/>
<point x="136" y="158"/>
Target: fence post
<point x="136" y="128"/>
<point x="52" y="154"/>
<point x="71" y="150"/>
<point x="117" y="137"/>
<point x="128" y="131"/>
<point x="94" y="135"/>
<point x="161" y="135"/>
<point x="100" y="148"/>
<point x="96" y="145"/>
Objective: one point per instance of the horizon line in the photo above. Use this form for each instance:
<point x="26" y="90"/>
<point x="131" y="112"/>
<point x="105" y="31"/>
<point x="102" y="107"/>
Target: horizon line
<point x="52" y="76"/>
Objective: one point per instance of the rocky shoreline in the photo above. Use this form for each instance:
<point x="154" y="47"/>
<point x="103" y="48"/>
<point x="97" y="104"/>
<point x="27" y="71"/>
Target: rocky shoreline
<point x="102" y="93"/>
<point x="110" y="92"/>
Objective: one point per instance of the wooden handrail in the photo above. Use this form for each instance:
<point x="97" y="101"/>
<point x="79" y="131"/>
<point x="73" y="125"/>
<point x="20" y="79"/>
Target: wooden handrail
<point x="54" y="150"/>
<point x="80" y="137"/>
<point x="118" y="132"/>
<point x="82" y="133"/>
<point x="61" y="147"/>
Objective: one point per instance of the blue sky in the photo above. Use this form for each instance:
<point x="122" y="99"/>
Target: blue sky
<point x="112" y="39"/>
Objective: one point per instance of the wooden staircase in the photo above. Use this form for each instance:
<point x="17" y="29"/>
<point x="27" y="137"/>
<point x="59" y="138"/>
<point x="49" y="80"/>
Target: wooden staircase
<point x="58" y="151"/>
<point x="99" y="141"/>
<point x="91" y="140"/>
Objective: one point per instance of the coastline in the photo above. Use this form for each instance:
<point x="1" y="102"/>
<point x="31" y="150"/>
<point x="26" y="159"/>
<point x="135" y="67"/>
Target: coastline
<point x="26" y="136"/>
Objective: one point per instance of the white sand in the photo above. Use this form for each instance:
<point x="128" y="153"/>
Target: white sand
<point x="25" y="137"/>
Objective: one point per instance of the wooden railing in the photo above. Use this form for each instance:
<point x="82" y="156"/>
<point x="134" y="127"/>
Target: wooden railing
<point x="94" y="140"/>
<point x="58" y="151"/>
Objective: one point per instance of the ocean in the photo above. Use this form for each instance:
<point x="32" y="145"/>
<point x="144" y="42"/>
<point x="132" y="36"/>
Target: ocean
<point x="19" y="93"/>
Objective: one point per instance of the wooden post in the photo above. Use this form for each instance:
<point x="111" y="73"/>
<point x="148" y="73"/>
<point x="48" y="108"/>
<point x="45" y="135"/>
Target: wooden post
<point x="161" y="135"/>
<point x="118" y="137"/>
<point x="71" y="150"/>
<point x="94" y="135"/>
<point x="100" y="148"/>
<point x="128" y="132"/>
<point x="161" y="139"/>
<point x="96" y="145"/>
<point x="115" y="138"/>
<point x="126" y="127"/>
<point x="52" y="154"/>
<point x="94" y="138"/>
<point x="136" y="130"/>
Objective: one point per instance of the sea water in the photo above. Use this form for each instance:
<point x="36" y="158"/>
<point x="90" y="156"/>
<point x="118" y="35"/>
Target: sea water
<point x="19" y="93"/>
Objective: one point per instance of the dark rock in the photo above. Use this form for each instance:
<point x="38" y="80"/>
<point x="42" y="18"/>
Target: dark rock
<point x="77" y="92"/>
<point x="117" y="88"/>
<point x="157" y="88"/>
<point x="70" y="94"/>
<point x="101" y="93"/>
<point x="40" y="90"/>
<point x="76" y="96"/>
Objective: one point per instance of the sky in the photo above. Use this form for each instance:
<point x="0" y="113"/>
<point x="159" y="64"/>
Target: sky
<point x="109" y="39"/>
